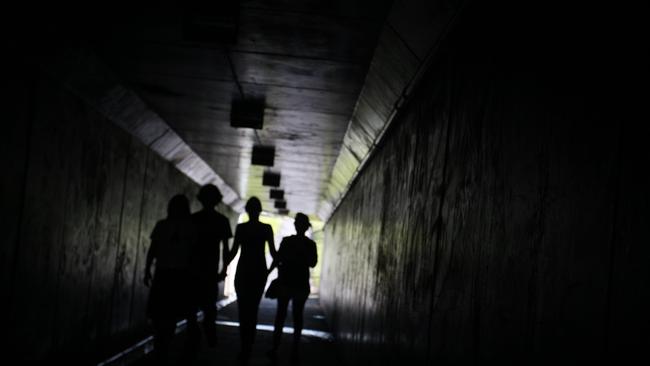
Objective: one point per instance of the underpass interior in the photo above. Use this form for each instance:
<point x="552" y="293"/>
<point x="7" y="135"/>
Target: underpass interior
<point x="473" y="173"/>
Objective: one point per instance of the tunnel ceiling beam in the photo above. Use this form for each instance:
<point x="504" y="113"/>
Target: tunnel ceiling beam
<point x="83" y="74"/>
<point x="306" y="60"/>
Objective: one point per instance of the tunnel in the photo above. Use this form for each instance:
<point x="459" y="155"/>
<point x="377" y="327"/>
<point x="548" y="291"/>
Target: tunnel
<point x="474" y="174"/>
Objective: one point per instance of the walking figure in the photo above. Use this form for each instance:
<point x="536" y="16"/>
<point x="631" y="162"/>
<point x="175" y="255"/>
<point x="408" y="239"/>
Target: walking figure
<point x="250" y="278"/>
<point x="213" y="232"/>
<point x="296" y="254"/>
<point x="169" y="251"/>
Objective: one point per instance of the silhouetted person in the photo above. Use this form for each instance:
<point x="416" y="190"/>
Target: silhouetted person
<point x="171" y="241"/>
<point x="250" y="278"/>
<point x="213" y="232"/>
<point x="296" y="254"/>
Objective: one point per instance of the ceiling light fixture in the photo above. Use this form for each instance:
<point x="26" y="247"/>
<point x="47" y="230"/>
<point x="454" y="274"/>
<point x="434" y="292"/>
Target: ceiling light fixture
<point x="277" y="194"/>
<point x="247" y="113"/>
<point x="263" y="155"/>
<point x="271" y="179"/>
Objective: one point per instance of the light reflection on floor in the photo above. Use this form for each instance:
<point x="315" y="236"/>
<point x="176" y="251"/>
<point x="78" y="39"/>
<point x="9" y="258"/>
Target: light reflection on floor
<point x="287" y="330"/>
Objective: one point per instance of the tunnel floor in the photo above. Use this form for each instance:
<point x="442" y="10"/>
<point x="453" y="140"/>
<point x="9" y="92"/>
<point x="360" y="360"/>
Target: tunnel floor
<point x="317" y="348"/>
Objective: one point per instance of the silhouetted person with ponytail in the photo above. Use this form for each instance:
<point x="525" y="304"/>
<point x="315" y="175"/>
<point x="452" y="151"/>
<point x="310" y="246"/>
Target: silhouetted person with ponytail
<point x="250" y="278"/>
<point x="296" y="254"/>
<point x="213" y="232"/>
<point x="169" y="252"/>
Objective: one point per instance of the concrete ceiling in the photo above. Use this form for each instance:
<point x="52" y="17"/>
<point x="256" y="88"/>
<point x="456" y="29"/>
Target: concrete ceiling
<point x="307" y="59"/>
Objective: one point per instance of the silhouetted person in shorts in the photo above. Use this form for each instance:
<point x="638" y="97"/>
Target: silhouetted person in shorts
<point x="213" y="232"/>
<point x="171" y="241"/>
<point x="296" y="254"/>
<point x="250" y="278"/>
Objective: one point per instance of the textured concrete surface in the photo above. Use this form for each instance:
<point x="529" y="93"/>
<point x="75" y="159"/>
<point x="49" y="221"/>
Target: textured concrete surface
<point x="81" y="201"/>
<point x="500" y="220"/>
<point x="409" y="37"/>
<point x="79" y="71"/>
<point x="306" y="59"/>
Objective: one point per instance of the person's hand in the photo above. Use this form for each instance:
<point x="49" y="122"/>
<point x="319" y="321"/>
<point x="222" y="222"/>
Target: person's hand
<point x="221" y="276"/>
<point x="147" y="278"/>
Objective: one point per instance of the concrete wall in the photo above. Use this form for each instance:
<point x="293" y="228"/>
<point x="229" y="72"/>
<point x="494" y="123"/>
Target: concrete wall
<point x="80" y="197"/>
<point x="503" y="216"/>
<point x="410" y="35"/>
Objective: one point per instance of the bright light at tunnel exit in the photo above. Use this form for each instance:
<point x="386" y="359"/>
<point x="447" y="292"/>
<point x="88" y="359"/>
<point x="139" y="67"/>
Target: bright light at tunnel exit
<point x="282" y="226"/>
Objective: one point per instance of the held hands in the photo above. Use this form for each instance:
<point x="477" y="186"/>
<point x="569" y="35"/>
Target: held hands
<point x="147" y="277"/>
<point x="221" y="276"/>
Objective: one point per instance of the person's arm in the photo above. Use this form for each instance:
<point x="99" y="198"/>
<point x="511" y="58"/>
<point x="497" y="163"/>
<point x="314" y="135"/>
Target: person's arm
<point x="225" y="253"/>
<point x="313" y="255"/>
<point x="235" y="247"/>
<point x="276" y="254"/>
<point x="270" y="241"/>
<point x="151" y="254"/>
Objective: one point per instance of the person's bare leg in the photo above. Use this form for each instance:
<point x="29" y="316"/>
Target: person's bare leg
<point x="280" y="317"/>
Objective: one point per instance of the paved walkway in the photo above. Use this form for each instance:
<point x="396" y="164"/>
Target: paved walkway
<point x="317" y="347"/>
